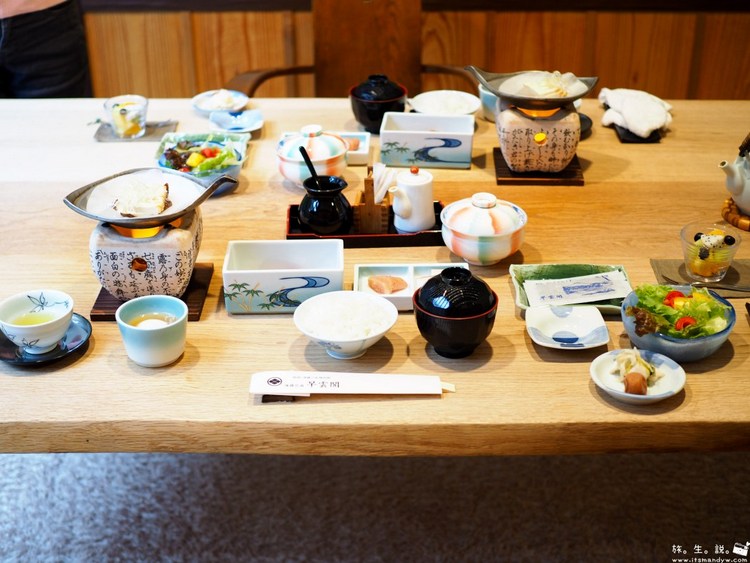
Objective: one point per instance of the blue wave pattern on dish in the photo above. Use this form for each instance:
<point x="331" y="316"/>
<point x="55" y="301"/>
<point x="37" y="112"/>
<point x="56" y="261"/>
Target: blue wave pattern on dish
<point x="421" y="155"/>
<point x="242" y="298"/>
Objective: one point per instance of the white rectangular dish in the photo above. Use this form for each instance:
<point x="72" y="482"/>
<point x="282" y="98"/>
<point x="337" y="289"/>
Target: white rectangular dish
<point x="426" y="141"/>
<point x="397" y="282"/>
<point x="275" y="276"/>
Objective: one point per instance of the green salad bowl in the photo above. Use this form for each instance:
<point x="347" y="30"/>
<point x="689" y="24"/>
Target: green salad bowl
<point x="679" y="349"/>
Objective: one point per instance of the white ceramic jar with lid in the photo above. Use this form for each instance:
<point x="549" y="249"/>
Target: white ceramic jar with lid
<point x="327" y="152"/>
<point x="483" y="229"/>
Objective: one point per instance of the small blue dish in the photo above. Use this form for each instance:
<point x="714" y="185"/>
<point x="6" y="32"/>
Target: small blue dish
<point x="679" y="349"/>
<point x="236" y="121"/>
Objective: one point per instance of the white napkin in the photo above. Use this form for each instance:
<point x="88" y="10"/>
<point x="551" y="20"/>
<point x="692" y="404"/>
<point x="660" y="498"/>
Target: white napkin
<point x="637" y="111"/>
<point x="383" y="178"/>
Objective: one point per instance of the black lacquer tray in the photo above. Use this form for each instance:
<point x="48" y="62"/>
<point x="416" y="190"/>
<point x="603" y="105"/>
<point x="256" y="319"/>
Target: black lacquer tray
<point x="432" y="237"/>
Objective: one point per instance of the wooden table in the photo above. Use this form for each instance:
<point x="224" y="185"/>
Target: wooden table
<point x="513" y="397"/>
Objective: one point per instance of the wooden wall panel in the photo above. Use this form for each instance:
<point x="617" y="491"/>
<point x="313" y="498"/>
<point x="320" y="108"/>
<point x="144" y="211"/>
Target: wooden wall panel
<point x="645" y="51"/>
<point x="673" y="55"/>
<point x="137" y="53"/>
<point x="229" y="43"/>
<point x="538" y="41"/>
<point x="303" y="85"/>
<point x="452" y="38"/>
<point x="722" y="63"/>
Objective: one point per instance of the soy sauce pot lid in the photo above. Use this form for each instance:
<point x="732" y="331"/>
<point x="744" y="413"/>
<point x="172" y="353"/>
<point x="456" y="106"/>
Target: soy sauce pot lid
<point x="456" y="292"/>
<point x="377" y="88"/>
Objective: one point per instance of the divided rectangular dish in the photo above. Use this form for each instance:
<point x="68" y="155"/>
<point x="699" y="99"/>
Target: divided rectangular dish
<point x="413" y="275"/>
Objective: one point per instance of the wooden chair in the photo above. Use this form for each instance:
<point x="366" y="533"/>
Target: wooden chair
<point x="356" y="38"/>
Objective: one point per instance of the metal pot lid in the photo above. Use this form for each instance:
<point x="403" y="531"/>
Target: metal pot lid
<point x="501" y="84"/>
<point x="185" y="193"/>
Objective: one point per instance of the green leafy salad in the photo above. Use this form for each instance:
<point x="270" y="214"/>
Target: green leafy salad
<point x="665" y="310"/>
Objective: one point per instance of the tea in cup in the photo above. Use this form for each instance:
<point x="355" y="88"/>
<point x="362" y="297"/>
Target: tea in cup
<point x="36" y="320"/>
<point x="153" y="328"/>
<point x="127" y="115"/>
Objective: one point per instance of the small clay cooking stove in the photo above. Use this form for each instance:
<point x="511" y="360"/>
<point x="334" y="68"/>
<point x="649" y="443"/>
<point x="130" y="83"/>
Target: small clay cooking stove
<point x="147" y="255"/>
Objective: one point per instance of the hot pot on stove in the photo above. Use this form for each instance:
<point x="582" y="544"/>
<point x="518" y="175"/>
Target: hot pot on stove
<point x="143" y="249"/>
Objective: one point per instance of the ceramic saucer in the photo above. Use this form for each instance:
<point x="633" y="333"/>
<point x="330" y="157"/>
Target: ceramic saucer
<point x="670" y="384"/>
<point x="78" y="334"/>
<point x="567" y="327"/>
<point x="236" y="121"/>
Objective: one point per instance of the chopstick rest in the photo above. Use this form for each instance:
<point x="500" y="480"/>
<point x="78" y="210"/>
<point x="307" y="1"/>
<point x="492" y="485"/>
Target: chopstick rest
<point x="306" y="383"/>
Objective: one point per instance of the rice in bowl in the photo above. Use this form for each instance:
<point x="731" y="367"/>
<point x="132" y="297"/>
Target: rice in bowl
<point x="345" y="323"/>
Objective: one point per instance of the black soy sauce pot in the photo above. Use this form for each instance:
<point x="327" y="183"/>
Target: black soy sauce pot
<point x="324" y="210"/>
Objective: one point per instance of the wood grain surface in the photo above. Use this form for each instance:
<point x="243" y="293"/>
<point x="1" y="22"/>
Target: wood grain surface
<point x="678" y="54"/>
<point x="513" y="397"/>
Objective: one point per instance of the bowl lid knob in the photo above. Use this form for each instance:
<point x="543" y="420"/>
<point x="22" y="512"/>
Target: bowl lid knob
<point x="484" y="200"/>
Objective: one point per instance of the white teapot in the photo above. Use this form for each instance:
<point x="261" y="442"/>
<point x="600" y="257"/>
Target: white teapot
<point x="738" y="178"/>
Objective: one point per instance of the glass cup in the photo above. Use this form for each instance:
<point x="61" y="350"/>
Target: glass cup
<point x="127" y="115"/>
<point x="709" y="249"/>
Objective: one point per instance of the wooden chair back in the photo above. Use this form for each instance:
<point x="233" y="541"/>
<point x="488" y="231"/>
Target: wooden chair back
<point x="356" y="38"/>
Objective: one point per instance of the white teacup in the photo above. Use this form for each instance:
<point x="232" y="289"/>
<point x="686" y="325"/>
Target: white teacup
<point x="36" y="320"/>
<point x="153" y="328"/>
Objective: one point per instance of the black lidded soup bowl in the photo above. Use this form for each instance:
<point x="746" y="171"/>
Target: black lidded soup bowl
<point x="455" y="312"/>
<point x="373" y="98"/>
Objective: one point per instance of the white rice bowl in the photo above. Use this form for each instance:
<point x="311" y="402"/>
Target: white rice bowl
<point x="345" y="323"/>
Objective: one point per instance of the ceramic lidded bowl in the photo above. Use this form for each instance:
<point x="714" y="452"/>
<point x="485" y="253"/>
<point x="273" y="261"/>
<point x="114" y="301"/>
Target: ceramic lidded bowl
<point x="326" y="150"/>
<point x="375" y="96"/>
<point x="345" y="323"/>
<point x="455" y="311"/>
<point x="483" y="229"/>
<point x="36" y="320"/>
<point x="679" y="349"/>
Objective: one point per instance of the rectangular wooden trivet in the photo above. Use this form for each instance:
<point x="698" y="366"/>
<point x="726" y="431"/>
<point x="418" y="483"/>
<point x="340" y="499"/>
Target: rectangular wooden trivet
<point x="195" y="295"/>
<point x="571" y="175"/>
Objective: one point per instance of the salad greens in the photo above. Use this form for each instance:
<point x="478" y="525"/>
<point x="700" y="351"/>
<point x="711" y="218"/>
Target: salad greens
<point x="662" y="309"/>
<point x="200" y="157"/>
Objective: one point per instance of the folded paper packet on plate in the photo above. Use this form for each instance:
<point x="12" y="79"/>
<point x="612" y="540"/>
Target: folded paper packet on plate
<point x="305" y="383"/>
<point x="579" y="289"/>
<point x="637" y="111"/>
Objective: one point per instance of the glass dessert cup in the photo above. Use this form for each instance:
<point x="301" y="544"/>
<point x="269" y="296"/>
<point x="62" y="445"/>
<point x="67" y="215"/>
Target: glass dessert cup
<point x="708" y="250"/>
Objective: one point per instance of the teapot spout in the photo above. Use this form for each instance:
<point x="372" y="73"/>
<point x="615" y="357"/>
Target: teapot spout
<point x="401" y="203"/>
<point x="734" y="181"/>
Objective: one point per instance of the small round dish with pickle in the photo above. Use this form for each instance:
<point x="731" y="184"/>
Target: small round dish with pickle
<point x="637" y="377"/>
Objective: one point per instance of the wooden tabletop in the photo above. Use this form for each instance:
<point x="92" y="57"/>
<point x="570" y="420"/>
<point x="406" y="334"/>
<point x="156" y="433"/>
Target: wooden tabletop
<point x="513" y="396"/>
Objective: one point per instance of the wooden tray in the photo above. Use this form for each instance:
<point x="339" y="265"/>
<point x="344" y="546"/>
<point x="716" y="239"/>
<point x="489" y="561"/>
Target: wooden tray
<point x="195" y="295"/>
<point x="432" y="237"/>
<point x="571" y="175"/>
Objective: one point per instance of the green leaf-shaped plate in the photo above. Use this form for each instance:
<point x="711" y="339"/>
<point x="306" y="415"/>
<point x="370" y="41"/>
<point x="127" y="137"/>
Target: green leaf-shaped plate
<point x="520" y="273"/>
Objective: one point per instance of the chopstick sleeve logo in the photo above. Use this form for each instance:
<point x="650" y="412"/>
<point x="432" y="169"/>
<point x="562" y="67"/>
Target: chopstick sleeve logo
<point x="274" y="381"/>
